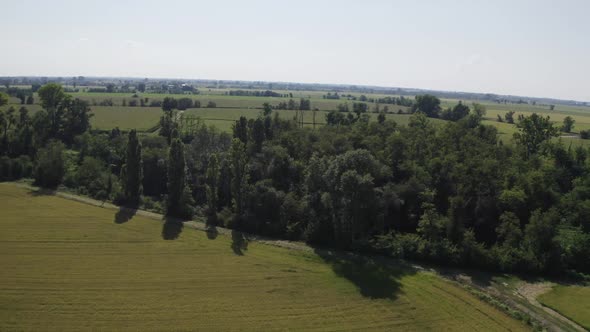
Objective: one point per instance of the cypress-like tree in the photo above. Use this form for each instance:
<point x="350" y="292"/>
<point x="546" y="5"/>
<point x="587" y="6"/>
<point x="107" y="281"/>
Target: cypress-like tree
<point x="239" y="171"/>
<point x="257" y="134"/>
<point x="240" y="129"/>
<point x="132" y="172"/>
<point x="212" y="179"/>
<point x="179" y="199"/>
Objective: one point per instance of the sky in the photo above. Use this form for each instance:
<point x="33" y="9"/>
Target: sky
<point x="533" y="48"/>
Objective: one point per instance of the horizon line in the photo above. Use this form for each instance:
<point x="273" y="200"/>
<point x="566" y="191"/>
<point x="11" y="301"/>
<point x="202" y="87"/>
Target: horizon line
<point x="303" y="83"/>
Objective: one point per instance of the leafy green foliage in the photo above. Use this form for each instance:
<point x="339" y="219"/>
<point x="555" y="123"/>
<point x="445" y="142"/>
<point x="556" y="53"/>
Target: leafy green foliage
<point x="427" y="104"/>
<point x="568" y="124"/>
<point x="212" y="179"/>
<point x="456" y="113"/>
<point x="533" y="131"/>
<point x="179" y="200"/>
<point x="239" y="175"/>
<point x="50" y="167"/>
<point x="132" y="172"/>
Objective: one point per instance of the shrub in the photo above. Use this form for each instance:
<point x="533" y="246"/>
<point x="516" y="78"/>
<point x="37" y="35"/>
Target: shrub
<point x="50" y="165"/>
<point x="156" y="103"/>
<point x="15" y="168"/>
<point x="226" y="218"/>
<point x="5" y="168"/>
<point x="92" y="176"/>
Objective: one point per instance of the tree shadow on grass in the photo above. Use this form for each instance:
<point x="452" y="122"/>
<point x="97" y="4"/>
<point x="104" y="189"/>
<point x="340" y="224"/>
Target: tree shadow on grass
<point x="210" y="229"/>
<point x="212" y="232"/>
<point x="171" y="229"/>
<point x="124" y="214"/>
<point x="239" y="242"/>
<point x="42" y="192"/>
<point x="374" y="277"/>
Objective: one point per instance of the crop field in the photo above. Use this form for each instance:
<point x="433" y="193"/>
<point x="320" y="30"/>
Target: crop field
<point x="140" y="118"/>
<point x="571" y="301"/>
<point x="72" y="266"/>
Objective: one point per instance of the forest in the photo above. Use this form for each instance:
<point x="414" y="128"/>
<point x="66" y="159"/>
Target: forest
<point x="448" y="192"/>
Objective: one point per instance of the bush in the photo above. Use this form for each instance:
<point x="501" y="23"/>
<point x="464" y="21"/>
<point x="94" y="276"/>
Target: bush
<point x="584" y="134"/>
<point x="151" y="204"/>
<point x="93" y="177"/>
<point x="156" y="103"/>
<point x="226" y="218"/>
<point x="50" y="167"/>
<point x="15" y="168"/>
<point x="5" y="169"/>
<point x="22" y="167"/>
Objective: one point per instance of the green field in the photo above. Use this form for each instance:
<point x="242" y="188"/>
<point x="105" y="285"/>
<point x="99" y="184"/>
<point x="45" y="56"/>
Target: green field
<point x="570" y="301"/>
<point x="72" y="266"/>
<point x="140" y="118"/>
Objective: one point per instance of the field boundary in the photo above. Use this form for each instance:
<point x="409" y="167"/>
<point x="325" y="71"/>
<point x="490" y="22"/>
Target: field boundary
<point x="492" y="296"/>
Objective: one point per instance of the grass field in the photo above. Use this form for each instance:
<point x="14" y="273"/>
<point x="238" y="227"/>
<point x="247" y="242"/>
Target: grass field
<point x="571" y="301"/>
<point x="71" y="266"/>
<point x="140" y="118"/>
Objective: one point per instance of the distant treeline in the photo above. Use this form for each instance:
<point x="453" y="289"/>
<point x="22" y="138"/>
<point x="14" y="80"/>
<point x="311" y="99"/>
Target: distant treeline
<point x="400" y="101"/>
<point x="303" y="105"/>
<point x="175" y="86"/>
<point x="266" y="93"/>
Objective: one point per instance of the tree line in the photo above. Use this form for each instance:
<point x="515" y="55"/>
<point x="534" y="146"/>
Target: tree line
<point x="266" y="93"/>
<point x="450" y="193"/>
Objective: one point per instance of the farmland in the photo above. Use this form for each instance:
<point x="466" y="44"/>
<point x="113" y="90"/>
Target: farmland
<point x="72" y="266"/>
<point x="230" y="108"/>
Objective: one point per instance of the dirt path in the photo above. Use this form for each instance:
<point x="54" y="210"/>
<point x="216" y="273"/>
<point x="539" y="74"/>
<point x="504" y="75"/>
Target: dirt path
<point x="525" y="290"/>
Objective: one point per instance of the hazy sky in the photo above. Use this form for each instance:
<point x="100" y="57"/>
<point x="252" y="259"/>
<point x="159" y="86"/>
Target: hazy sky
<point x="522" y="47"/>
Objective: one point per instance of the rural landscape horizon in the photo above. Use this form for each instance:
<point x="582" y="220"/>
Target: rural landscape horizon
<point x="326" y="84"/>
<point x="301" y="166"/>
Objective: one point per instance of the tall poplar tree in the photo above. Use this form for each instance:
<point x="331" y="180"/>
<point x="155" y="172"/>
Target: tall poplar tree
<point x="132" y="172"/>
<point x="179" y="200"/>
<point x="212" y="179"/>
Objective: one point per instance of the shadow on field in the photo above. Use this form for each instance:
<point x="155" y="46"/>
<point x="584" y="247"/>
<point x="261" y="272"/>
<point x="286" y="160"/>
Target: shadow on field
<point x="210" y="223"/>
<point x="42" y="192"/>
<point x="171" y="229"/>
<point x="478" y="278"/>
<point x="239" y="242"/>
<point x="375" y="277"/>
<point x="212" y="232"/>
<point x="124" y="214"/>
